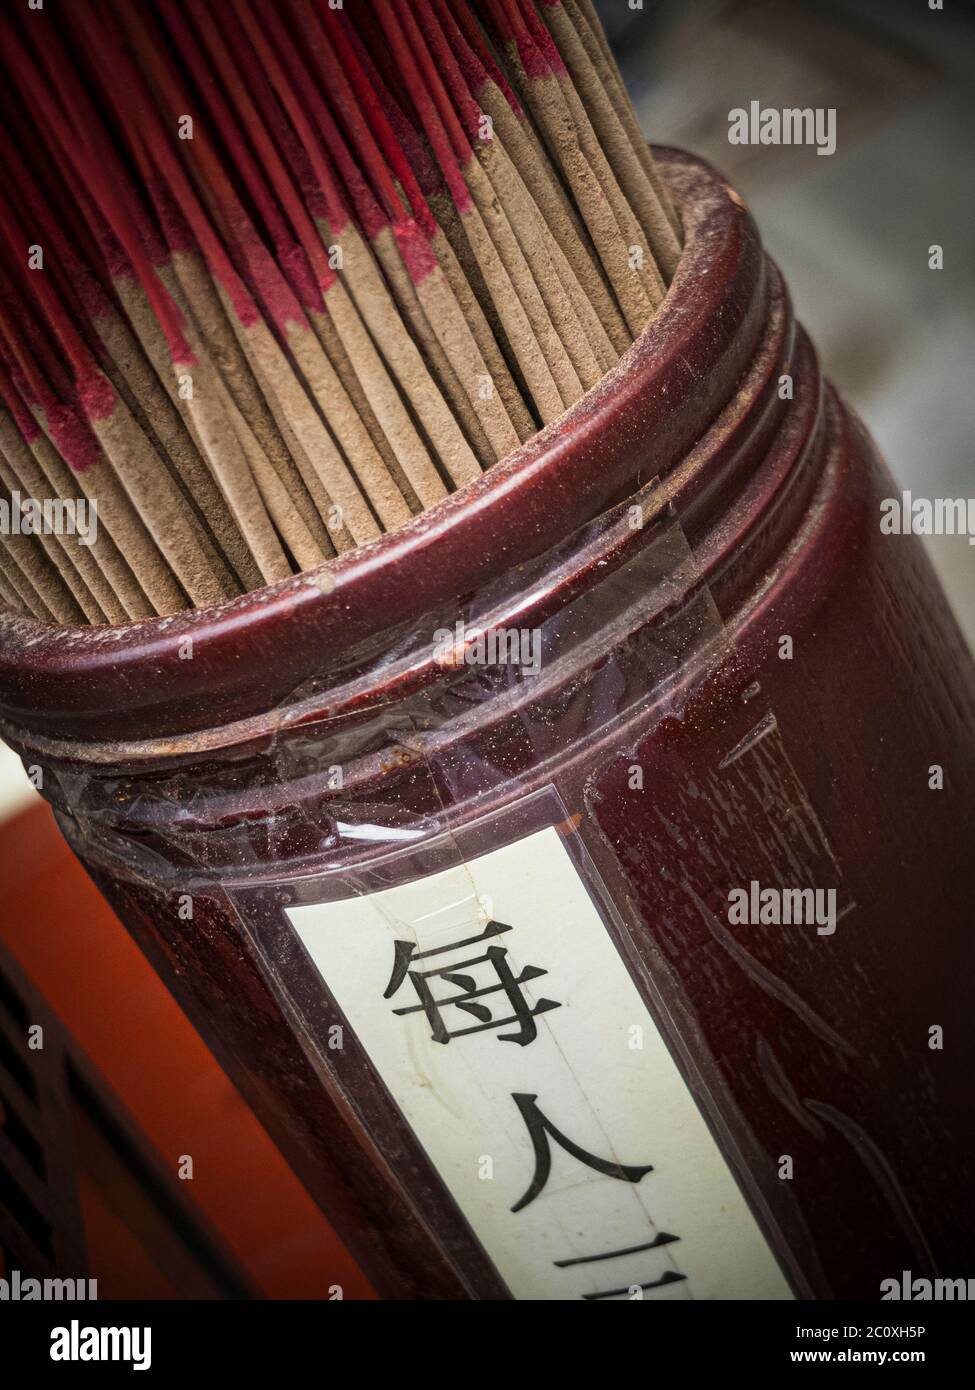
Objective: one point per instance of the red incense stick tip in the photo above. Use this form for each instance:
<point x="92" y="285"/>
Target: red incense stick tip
<point x="542" y="38"/>
<point x="175" y="228"/>
<point x="97" y="395"/>
<point x="298" y="273"/>
<point x="533" y="59"/>
<point x="73" y="437"/>
<point x="415" y="249"/>
<point x="476" y="46"/>
<point x="454" y="85"/>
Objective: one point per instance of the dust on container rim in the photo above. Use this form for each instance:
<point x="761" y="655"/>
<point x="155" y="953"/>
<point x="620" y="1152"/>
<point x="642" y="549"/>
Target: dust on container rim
<point x="100" y="693"/>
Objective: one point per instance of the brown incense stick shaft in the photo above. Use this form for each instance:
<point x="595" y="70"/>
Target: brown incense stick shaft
<point x="23" y="480"/>
<point x="43" y="587"/>
<point x="112" y="580"/>
<point x="591" y="32"/>
<point x="616" y="144"/>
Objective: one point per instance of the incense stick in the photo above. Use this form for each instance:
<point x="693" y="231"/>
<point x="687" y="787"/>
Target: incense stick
<point x="277" y="277"/>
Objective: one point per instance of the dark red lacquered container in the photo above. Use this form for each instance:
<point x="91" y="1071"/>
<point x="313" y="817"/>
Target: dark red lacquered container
<point x="802" y="762"/>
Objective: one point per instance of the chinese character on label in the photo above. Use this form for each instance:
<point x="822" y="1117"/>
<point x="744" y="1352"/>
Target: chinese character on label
<point x="495" y="957"/>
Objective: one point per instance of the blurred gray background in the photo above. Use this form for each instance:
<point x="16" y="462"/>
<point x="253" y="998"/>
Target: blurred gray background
<point x="850" y="231"/>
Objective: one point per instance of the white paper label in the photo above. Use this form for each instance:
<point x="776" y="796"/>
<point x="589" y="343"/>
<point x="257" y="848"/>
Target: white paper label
<point x="501" y="1017"/>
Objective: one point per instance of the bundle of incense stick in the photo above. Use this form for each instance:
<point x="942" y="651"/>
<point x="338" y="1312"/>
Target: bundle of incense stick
<point x="277" y="275"/>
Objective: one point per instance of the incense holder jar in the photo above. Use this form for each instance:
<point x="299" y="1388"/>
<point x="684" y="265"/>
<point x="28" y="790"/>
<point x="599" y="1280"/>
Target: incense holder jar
<point x="576" y="881"/>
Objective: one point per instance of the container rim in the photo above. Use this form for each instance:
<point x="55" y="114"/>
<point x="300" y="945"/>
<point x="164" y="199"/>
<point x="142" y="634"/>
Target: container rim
<point x="249" y="652"/>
